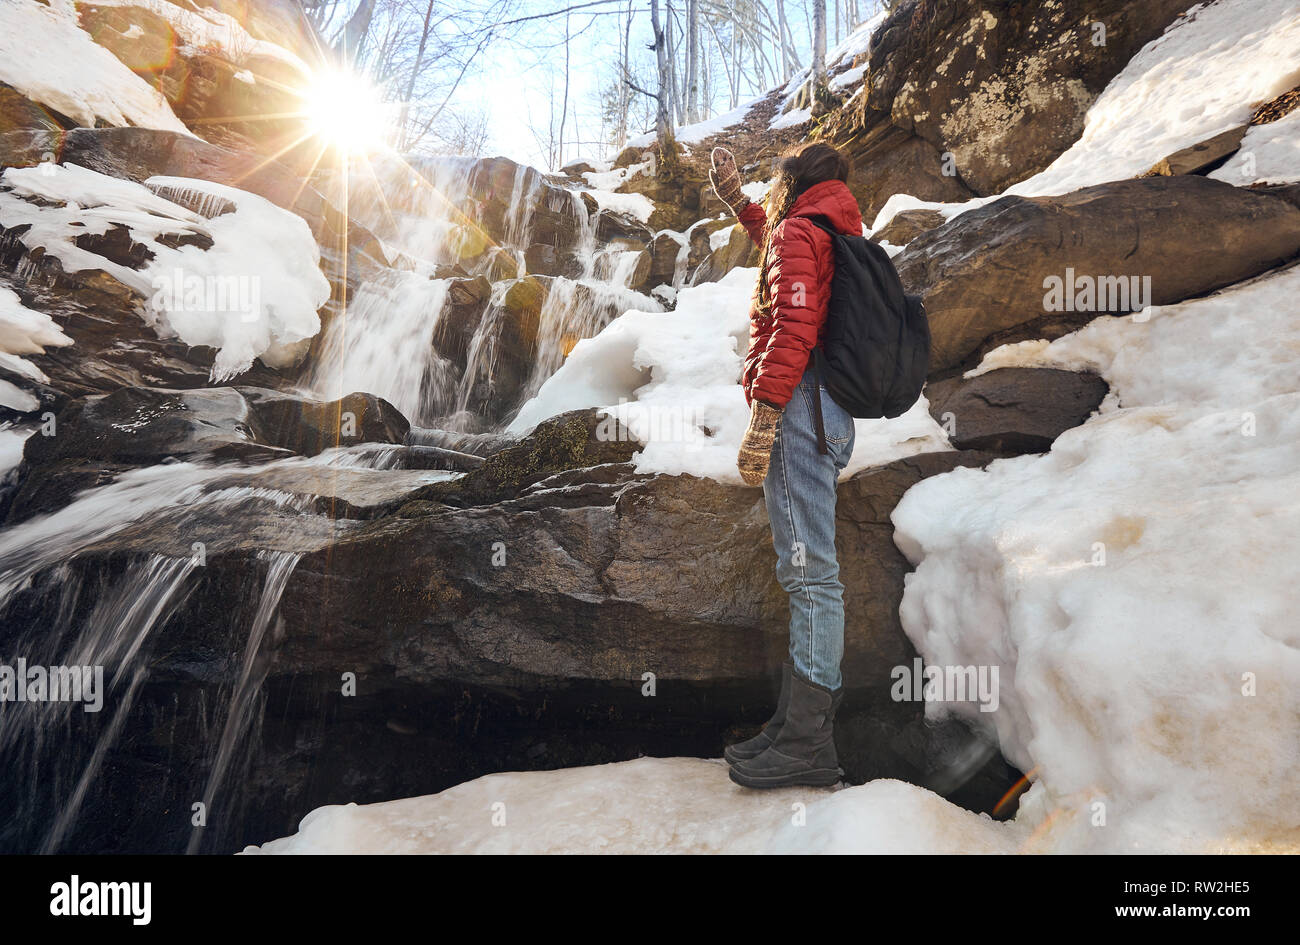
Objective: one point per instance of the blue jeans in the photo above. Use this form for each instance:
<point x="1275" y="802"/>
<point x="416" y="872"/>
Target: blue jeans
<point x="800" y="494"/>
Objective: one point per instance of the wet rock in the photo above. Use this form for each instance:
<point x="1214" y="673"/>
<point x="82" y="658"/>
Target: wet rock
<point x="467" y="299"/>
<point x="147" y="425"/>
<point x="1014" y="410"/>
<point x="19" y="113"/>
<point x="112" y="346"/>
<point x="663" y="258"/>
<point x="987" y="275"/>
<point x="543" y="259"/>
<point x="307" y="427"/>
<point x="573" y="440"/>
<point x="611" y="227"/>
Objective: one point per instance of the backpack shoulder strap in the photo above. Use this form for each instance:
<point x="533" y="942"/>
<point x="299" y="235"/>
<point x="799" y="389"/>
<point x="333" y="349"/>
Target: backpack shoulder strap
<point x="822" y="223"/>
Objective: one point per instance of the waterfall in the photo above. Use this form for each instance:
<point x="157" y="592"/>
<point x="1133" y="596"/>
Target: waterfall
<point x="55" y="751"/>
<point x="252" y="672"/>
<point x="384" y="340"/>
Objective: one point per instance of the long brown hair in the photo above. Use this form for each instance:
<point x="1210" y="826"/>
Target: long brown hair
<point x="798" y="169"/>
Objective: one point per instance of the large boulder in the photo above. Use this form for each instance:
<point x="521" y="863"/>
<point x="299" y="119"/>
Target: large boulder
<point x="1013" y="410"/>
<point x="991" y="275"/>
<point x="1000" y="85"/>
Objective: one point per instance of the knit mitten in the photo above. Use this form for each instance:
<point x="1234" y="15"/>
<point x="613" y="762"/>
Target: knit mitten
<point x="726" y="180"/>
<point x="756" y="447"/>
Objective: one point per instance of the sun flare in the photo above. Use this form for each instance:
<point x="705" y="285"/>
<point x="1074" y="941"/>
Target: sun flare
<point x="347" y="112"/>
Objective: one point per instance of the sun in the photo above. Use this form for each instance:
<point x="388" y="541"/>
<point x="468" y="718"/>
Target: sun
<point x="347" y="112"/>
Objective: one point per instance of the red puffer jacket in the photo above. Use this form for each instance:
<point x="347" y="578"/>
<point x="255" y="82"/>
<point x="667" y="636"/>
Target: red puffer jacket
<point x="799" y="272"/>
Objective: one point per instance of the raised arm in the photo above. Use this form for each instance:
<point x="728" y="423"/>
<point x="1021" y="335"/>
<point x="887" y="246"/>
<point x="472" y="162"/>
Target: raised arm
<point x="726" y="184"/>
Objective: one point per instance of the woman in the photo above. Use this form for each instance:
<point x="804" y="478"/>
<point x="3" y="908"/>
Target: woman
<point x="782" y="450"/>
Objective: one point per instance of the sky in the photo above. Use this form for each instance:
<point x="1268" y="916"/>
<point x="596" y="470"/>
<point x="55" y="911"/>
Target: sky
<point x="513" y="79"/>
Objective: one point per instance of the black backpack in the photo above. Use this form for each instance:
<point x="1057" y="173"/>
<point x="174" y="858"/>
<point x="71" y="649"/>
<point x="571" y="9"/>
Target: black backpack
<point x="875" y="349"/>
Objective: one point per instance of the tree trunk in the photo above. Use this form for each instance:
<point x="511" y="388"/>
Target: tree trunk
<point x="818" y="51"/>
<point x="693" y="60"/>
<point x="663" y="106"/>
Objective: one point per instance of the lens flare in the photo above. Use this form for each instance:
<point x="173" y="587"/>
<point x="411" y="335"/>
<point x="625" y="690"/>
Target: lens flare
<point x="347" y="112"/>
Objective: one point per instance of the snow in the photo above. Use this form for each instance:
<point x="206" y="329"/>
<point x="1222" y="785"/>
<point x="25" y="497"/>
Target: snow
<point x="796" y="116"/>
<point x="673" y="379"/>
<point x="1203" y="76"/>
<point x="849" y="77"/>
<point x="47" y="57"/>
<point x="650" y="805"/>
<point x="720" y="237"/>
<point x="695" y="133"/>
<point x="1269" y="154"/>
<point x="11" y="447"/>
<point x="638" y="206"/>
<point x="1136" y="584"/>
<point x="839" y="62"/>
<point x="253" y="294"/>
<point x="613" y="178"/>
<point x="23" y="331"/>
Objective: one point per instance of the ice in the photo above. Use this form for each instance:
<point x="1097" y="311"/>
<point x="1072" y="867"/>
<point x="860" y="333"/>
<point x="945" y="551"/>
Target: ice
<point x="24" y="331"/>
<point x="673" y="379"/>
<point x="47" y="57"/>
<point x="253" y="294"/>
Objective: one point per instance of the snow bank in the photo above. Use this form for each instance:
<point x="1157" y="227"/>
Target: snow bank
<point x="650" y="805"/>
<point x="1203" y="76"/>
<point x="47" y="57"/>
<point x="1136" y="585"/>
<point x="253" y="294"/>
<point x="673" y="378"/>
<point x="1269" y="154"/>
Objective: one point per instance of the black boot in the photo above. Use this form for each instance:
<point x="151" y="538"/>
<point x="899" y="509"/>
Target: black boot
<point x="803" y="751"/>
<point x="743" y="751"/>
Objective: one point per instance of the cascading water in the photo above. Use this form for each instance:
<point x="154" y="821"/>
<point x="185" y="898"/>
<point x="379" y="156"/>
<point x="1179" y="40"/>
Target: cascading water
<point x="430" y="219"/>
<point x="112" y="622"/>
<point x="252" y="671"/>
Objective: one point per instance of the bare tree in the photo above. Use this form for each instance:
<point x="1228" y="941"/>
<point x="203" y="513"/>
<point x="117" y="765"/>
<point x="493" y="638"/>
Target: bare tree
<point x="664" y="95"/>
<point x="818" y="49"/>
